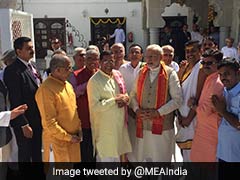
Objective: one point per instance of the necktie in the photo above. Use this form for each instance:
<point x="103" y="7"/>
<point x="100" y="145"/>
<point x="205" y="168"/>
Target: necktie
<point x="35" y="74"/>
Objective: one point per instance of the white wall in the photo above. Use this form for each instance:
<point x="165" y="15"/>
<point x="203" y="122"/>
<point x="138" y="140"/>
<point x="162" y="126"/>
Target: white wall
<point x="72" y="10"/>
<point x="8" y="16"/>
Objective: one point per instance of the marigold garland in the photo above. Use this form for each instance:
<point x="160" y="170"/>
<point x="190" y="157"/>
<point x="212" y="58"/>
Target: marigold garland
<point x="100" y="20"/>
<point x="210" y="13"/>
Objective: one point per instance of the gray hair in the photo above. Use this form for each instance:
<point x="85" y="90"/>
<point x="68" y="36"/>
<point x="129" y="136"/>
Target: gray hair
<point x="58" y="60"/>
<point x="93" y="47"/>
<point x="155" y="47"/>
<point x="59" y="51"/>
<point x="9" y="56"/>
<point x="118" y="45"/>
<point x="92" y="51"/>
<point x="168" y="47"/>
<point x="78" y="49"/>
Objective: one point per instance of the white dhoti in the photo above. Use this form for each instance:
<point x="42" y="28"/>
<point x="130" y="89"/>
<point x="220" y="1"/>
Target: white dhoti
<point x="153" y="148"/>
<point x="185" y="135"/>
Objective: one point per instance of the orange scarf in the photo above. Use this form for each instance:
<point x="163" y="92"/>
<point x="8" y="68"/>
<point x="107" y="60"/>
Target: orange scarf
<point x="162" y="89"/>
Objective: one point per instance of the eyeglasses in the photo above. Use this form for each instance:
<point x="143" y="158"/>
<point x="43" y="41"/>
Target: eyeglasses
<point x="69" y="68"/>
<point x="209" y="63"/>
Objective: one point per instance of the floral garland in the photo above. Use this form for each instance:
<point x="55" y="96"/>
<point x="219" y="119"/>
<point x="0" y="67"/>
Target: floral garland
<point x="117" y="21"/>
<point x="211" y="15"/>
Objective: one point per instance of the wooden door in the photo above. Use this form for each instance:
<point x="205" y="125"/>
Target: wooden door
<point x="46" y="29"/>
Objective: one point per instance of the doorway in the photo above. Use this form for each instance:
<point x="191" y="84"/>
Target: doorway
<point x="46" y="29"/>
<point x="175" y="23"/>
<point x="103" y="27"/>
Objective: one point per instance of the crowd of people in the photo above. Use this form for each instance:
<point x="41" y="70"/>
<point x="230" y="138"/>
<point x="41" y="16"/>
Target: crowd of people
<point x="110" y="109"/>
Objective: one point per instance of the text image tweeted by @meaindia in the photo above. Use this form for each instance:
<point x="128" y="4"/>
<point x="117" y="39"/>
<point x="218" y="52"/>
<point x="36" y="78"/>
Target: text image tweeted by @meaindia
<point x="138" y="172"/>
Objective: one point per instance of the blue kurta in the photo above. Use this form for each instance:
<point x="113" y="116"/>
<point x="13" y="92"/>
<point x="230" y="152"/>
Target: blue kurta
<point x="229" y="137"/>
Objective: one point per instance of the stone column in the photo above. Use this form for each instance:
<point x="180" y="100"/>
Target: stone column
<point x="154" y="35"/>
<point x="145" y="38"/>
<point x="224" y="33"/>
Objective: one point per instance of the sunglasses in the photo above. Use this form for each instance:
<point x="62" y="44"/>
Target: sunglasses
<point x="69" y="68"/>
<point x="209" y="63"/>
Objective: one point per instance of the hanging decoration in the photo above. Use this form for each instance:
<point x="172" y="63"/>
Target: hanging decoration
<point x="107" y="20"/>
<point x="211" y="13"/>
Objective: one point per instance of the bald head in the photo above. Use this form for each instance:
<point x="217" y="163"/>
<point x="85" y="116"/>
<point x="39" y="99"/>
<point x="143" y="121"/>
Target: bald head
<point x="58" y="60"/>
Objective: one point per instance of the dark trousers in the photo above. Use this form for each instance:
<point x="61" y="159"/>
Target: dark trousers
<point x="87" y="146"/>
<point x="30" y="154"/>
<point x="29" y="149"/>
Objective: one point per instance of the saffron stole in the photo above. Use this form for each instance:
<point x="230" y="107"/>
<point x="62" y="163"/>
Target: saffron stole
<point x="162" y="91"/>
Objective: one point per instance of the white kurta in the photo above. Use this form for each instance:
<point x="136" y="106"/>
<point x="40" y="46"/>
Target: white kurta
<point x="8" y="153"/>
<point x="5" y="118"/>
<point x="152" y="147"/>
<point x="129" y="74"/>
<point x="4" y="122"/>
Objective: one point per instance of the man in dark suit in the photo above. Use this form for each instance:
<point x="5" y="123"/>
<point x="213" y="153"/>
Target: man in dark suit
<point x="22" y="81"/>
<point x="183" y="36"/>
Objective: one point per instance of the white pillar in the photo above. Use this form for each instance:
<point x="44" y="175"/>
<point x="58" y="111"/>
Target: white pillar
<point x="145" y="38"/>
<point x="154" y="35"/>
<point x="224" y="33"/>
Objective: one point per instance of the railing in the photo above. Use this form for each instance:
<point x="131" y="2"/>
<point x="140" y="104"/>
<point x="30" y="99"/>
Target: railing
<point x="74" y="34"/>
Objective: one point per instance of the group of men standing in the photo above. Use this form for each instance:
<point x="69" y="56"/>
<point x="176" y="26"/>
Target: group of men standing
<point x="120" y="110"/>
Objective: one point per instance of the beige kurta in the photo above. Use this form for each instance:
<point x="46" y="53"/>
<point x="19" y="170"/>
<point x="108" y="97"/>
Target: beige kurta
<point x="56" y="101"/>
<point x="110" y="134"/>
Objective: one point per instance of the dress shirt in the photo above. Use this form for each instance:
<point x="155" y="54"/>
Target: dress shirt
<point x="119" y="35"/>
<point x="129" y="74"/>
<point x="196" y="36"/>
<point x="228" y="136"/>
<point x="230" y="52"/>
<point x="32" y="70"/>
